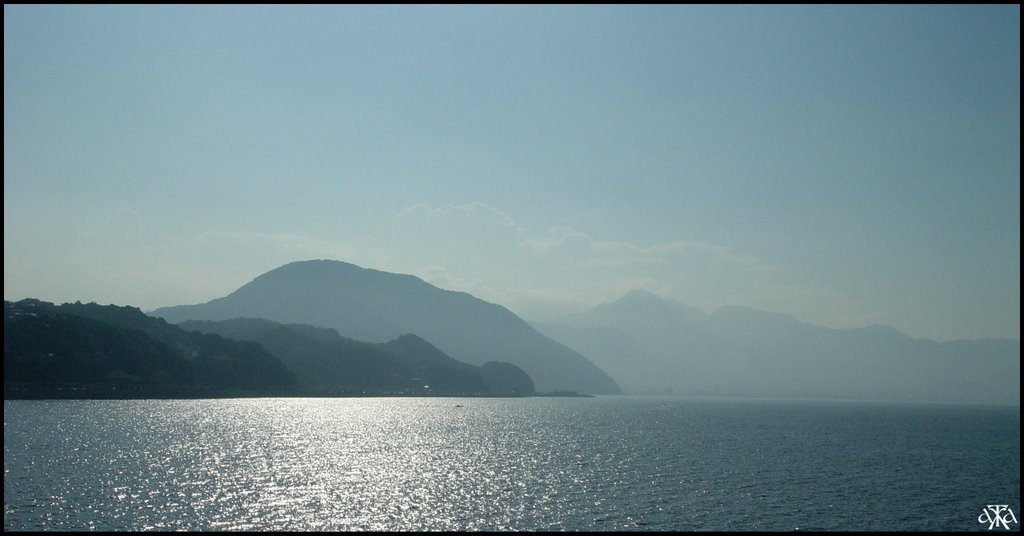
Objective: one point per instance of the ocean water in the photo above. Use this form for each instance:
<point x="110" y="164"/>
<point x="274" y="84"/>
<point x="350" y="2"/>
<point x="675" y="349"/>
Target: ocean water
<point x="606" y="463"/>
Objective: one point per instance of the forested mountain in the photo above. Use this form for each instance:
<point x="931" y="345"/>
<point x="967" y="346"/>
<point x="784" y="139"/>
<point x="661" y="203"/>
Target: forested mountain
<point x="110" y="348"/>
<point x="88" y="350"/>
<point x="325" y="361"/>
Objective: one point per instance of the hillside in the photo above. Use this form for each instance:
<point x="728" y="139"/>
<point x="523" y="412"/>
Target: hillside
<point x="116" y="351"/>
<point x="325" y="362"/>
<point x="375" y="306"/>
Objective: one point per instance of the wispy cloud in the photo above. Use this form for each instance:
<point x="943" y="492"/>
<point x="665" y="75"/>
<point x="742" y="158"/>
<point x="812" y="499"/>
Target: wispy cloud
<point x="482" y="250"/>
<point x="471" y="247"/>
<point x="564" y="269"/>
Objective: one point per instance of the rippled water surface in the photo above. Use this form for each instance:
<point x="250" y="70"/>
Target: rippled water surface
<point x="607" y="463"/>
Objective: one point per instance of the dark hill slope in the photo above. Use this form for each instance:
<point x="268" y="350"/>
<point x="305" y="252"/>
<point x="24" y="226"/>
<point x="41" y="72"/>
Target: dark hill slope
<point x="90" y="344"/>
<point x="324" y="361"/>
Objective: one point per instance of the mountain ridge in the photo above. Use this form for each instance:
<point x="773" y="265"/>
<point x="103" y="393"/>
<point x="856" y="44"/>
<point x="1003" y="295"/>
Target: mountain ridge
<point x="325" y="361"/>
<point x="377" y="306"/>
<point x="115" y="351"/>
<point x="743" y="351"/>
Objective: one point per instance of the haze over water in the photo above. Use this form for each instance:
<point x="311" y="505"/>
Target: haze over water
<point x="847" y="165"/>
<point x="817" y="201"/>
<point x="607" y="463"/>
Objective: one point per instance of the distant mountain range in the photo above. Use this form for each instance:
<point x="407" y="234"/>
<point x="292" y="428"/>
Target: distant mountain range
<point x="330" y="327"/>
<point x="375" y="306"/>
<point x="655" y="345"/>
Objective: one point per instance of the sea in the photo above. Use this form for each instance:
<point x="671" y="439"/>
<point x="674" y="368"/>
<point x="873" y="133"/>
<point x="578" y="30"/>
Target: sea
<point x="616" y="463"/>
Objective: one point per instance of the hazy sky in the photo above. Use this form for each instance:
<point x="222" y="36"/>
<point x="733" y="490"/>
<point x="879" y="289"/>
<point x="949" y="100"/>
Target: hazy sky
<point x="846" y="165"/>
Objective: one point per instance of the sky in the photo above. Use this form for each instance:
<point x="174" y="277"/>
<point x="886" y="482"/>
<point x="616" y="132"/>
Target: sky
<point x="848" y="165"/>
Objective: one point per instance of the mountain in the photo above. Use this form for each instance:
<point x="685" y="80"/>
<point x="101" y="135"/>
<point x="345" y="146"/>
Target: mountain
<point x="95" y="351"/>
<point x="640" y="338"/>
<point x="324" y="361"/>
<point x="641" y="312"/>
<point x="371" y="305"/>
<point x="656" y="345"/>
<point x="431" y="366"/>
<point x="119" y="351"/>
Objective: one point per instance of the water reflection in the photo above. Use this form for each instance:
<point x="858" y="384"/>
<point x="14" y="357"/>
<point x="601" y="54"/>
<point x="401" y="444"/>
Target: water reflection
<point x="495" y="464"/>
